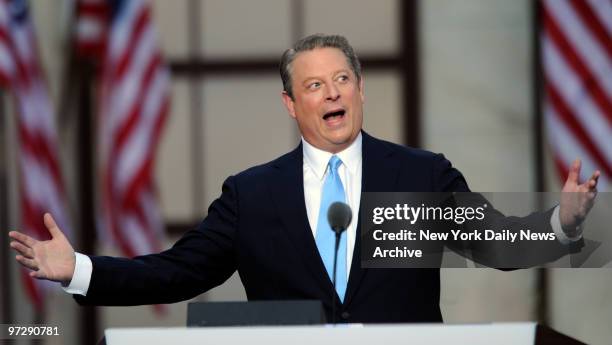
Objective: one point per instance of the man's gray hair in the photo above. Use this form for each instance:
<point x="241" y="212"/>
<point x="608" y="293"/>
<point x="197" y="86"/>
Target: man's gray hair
<point x="310" y="43"/>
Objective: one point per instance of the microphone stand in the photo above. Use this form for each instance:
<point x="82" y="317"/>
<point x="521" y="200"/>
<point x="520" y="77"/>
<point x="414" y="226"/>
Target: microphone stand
<point x="339" y="217"/>
<point x="338" y="232"/>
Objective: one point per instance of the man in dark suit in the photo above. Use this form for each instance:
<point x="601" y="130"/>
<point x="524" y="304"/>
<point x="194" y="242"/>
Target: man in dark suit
<point x="269" y="221"/>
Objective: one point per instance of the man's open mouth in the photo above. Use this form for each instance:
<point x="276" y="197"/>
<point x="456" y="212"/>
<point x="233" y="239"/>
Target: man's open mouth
<point x="334" y="114"/>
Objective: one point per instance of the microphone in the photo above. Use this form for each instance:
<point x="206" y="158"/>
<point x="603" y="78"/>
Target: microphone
<point x="339" y="216"/>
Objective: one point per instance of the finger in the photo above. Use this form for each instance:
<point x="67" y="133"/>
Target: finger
<point x="23" y="250"/>
<point x="29" y="263"/>
<point x="38" y="274"/>
<point x="591" y="183"/>
<point x="595" y="176"/>
<point x="54" y="230"/>
<point x="23" y="238"/>
<point x="574" y="172"/>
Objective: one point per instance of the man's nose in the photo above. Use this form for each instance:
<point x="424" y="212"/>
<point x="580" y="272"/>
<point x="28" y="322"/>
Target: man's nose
<point x="332" y="93"/>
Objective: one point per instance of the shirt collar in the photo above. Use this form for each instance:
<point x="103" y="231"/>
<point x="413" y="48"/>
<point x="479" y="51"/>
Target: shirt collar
<point x="317" y="159"/>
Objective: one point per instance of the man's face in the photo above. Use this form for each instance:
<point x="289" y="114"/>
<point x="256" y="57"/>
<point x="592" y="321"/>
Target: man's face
<point x="328" y="99"/>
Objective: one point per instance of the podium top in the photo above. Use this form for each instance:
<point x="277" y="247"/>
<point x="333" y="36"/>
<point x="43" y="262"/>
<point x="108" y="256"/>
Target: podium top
<point x="354" y="334"/>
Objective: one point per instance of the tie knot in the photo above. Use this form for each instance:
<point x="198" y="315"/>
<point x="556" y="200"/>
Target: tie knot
<point x="334" y="163"/>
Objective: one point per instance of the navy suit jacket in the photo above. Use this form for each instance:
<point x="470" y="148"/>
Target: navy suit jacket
<point x="259" y="227"/>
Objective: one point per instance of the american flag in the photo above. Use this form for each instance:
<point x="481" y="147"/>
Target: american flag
<point x="576" y="55"/>
<point x="91" y="27"/>
<point x="41" y="186"/>
<point x="132" y="107"/>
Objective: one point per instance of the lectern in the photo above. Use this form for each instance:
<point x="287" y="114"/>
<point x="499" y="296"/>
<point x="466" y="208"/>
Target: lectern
<point x="353" y="334"/>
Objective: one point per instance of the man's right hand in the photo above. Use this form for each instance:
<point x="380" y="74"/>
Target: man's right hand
<point x="51" y="260"/>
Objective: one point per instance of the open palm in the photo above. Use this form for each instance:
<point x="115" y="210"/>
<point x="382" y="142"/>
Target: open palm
<point x="577" y="198"/>
<point x="51" y="260"/>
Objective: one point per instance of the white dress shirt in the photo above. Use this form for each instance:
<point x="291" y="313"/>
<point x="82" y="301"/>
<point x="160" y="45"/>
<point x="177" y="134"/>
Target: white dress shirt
<point x="315" y="170"/>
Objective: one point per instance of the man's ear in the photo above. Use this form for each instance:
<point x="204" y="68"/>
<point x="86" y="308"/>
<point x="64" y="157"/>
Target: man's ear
<point x="289" y="104"/>
<point x="361" y="90"/>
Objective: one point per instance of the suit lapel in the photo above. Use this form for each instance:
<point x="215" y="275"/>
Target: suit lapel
<point x="288" y="195"/>
<point x="379" y="174"/>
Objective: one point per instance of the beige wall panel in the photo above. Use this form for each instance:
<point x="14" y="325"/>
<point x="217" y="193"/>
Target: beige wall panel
<point x="477" y="90"/>
<point x="174" y="168"/>
<point x="476" y="14"/>
<point x="231" y="28"/>
<point x="552" y="181"/>
<point x="174" y="315"/>
<point x="477" y="111"/>
<point x="485" y="295"/>
<point x="581" y="303"/>
<point x="244" y="124"/>
<point x="370" y="26"/>
<point x="64" y="312"/>
<point x="50" y="23"/>
<point x="382" y="113"/>
<point x="171" y="21"/>
<point x="231" y="290"/>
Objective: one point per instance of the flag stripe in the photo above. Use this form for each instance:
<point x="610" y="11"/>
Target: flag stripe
<point x="91" y="20"/>
<point x="125" y="90"/>
<point x="571" y="89"/>
<point x="602" y="10"/>
<point x="143" y="177"/>
<point x="573" y="60"/>
<point x="113" y="221"/>
<point x="140" y="26"/>
<point x="136" y="145"/>
<point x="124" y="132"/>
<point x="573" y="34"/>
<point x="121" y="27"/>
<point x="570" y="119"/>
<point x="592" y="22"/>
<point x="36" y="146"/>
<point x="567" y="148"/>
<point x="576" y="55"/>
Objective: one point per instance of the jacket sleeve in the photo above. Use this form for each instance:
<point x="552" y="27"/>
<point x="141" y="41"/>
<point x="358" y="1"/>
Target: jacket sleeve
<point x="498" y="254"/>
<point x="202" y="259"/>
<point x="447" y="178"/>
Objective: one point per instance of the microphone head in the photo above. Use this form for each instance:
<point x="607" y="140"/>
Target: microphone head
<point x="339" y="216"/>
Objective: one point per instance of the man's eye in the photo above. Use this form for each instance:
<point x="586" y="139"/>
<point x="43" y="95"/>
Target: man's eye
<point x="343" y="78"/>
<point x="314" y="85"/>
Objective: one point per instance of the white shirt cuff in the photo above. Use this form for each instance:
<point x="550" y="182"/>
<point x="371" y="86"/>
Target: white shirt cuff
<point x="555" y="223"/>
<point x="81" y="277"/>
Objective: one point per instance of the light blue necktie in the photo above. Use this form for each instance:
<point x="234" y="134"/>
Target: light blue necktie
<point x="326" y="238"/>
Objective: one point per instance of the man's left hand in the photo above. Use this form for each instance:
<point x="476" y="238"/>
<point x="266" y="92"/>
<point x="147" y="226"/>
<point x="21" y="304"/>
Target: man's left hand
<point x="576" y="199"/>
